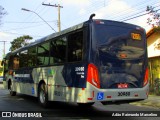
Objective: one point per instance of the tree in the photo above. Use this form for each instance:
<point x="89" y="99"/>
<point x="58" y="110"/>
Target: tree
<point x="20" y="42"/>
<point x="2" y="13"/>
<point x="154" y="18"/>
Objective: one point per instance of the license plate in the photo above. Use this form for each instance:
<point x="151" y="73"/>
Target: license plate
<point x="122" y="85"/>
<point x="124" y="93"/>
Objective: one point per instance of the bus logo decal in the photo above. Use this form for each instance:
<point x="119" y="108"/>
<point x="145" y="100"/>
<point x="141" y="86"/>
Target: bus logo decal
<point x="51" y="71"/>
<point x="100" y="96"/>
<point x="32" y="90"/>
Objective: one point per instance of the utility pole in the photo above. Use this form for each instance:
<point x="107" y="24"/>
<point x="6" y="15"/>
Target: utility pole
<point x="3" y="47"/>
<point x="59" y="19"/>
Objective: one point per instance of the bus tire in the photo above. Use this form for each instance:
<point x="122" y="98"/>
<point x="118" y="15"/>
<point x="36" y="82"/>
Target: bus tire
<point x="85" y="104"/>
<point x="12" y="93"/>
<point x="43" y="96"/>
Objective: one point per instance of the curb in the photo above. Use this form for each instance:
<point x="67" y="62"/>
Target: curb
<point x="152" y="101"/>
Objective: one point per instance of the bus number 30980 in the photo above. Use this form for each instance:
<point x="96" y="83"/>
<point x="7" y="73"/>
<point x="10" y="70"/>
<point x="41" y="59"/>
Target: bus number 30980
<point x="123" y="93"/>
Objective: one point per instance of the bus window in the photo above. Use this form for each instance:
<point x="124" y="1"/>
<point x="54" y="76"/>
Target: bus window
<point x="10" y="62"/>
<point x="32" y="56"/>
<point x="23" y="59"/>
<point x="43" y="54"/>
<point x="122" y="55"/>
<point x="16" y="62"/>
<point x="6" y="64"/>
<point x="75" y="46"/>
<point x="58" y="51"/>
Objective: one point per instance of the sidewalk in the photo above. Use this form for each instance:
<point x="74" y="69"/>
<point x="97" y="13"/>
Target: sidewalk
<point x="152" y="101"/>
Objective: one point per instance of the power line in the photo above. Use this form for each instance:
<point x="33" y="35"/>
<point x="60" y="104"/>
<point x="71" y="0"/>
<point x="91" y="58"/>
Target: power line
<point x="30" y="16"/>
<point x="136" y="13"/>
<point x="39" y="17"/>
<point x="20" y="34"/>
<point x="138" y="16"/>
<point x="26" y="22"/>
<point x="39" y="10"/>
<point x="24" y="27"/>
<point x="92" y="7"/>
<point x="119" y="13"/>
<point x="128" y="11"/>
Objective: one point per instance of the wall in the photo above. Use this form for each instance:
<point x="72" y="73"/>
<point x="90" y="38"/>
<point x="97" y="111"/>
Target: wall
<point x="153" y="43"/>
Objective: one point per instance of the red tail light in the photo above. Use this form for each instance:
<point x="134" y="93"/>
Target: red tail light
<point x="92" y="75"/>
<point x="146" y="77"/>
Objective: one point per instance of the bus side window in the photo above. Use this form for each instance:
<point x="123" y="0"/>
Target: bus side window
<point x="16" y="62"/>
<point x="6" y="65"/>
<point x="10" y="62"/>
<point x="32" y="56"/>
<point x="75" y="46"/>
<point x="58" y="51"/>
<point x="43" y="54"/>
<point x="23" y="59"/>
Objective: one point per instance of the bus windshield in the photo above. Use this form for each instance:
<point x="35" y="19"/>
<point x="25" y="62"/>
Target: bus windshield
<point x="121" y="55"/>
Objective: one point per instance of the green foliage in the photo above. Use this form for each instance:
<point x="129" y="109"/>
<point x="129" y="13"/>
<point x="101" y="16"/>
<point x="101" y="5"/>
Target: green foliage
<point x="157" y="29"/>
<point x="1" y="69"/>
<point x="20" y="42"/>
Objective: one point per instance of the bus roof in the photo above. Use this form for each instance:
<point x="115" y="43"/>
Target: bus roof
<point x="48" y="37"/>
<point x="73" y="28"/>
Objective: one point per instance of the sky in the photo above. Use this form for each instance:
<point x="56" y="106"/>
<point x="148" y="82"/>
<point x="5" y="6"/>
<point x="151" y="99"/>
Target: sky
<point x="18" y="22"/>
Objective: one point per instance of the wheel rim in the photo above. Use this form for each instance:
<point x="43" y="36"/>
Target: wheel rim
<point x="42" y="94"/>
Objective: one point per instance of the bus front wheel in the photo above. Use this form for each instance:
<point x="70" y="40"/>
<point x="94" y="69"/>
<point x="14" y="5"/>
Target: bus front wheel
<point x="42" y="95"/>
<point x="12" y="93"/>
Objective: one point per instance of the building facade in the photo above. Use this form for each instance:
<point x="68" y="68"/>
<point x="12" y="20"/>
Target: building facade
<point x="153" y="44"/>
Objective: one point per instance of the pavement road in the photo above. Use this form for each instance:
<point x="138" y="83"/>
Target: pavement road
<point x="59" y="110"/>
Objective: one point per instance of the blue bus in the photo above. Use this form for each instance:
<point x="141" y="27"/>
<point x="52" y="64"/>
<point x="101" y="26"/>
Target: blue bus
<point x="97" y="60"/>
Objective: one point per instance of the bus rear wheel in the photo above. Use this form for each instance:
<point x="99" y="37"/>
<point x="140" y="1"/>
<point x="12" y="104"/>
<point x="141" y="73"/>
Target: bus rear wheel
<point x="12" y="93"/>
<point x="42" y="96"/>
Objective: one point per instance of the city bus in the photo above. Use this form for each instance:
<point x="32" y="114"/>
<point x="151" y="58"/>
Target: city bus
<point x="95" y="61"/>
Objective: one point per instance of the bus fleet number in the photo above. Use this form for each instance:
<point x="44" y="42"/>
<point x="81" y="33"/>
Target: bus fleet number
<point x="123" y="93"/>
